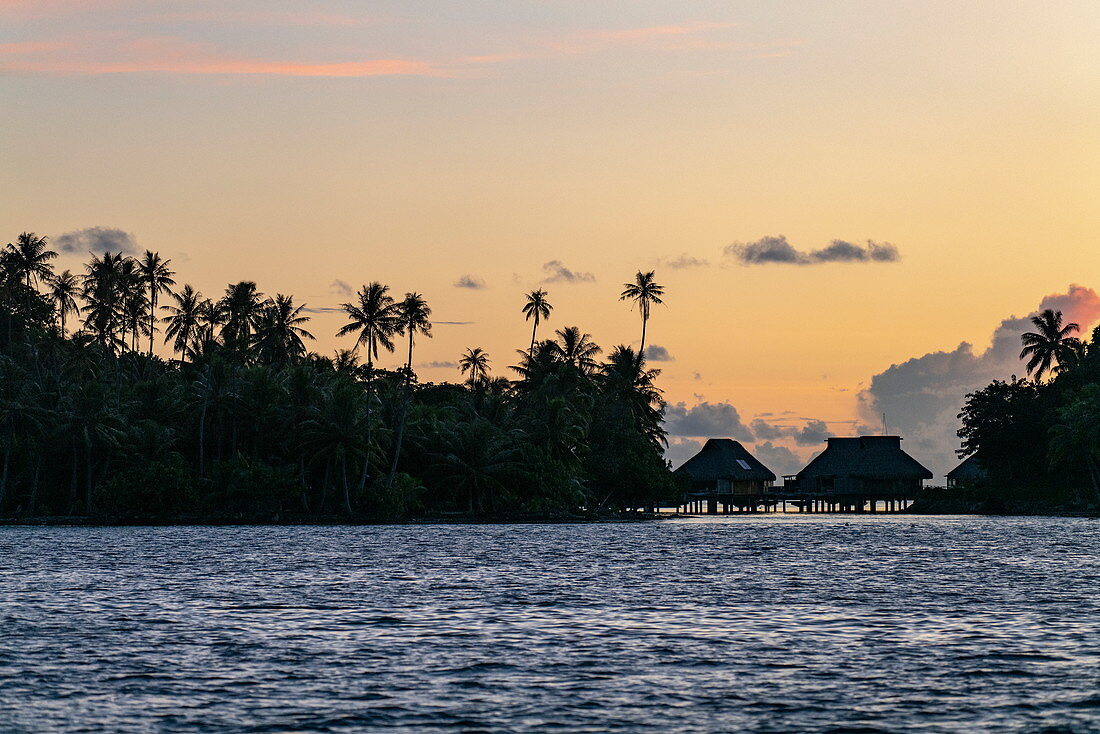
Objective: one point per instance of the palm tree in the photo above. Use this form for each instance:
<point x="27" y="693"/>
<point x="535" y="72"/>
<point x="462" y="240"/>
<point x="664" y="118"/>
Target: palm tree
<point x="135" y="307"/>
<point x="184" y="320"/>
<point x="158" y="279"/>
<point x="537" y="308"/>
<point x="31" y="258"/>
<point x="476" y="362"/>
<point x="64" y="289"/>
<point x="100" y="289"/>
<point x="1051" y="348"/>
<point x="625" y="378"/>
<point x="375" y="318"/>
<point x="576" y="349"/>
<point x="241" y="304"/>
<point x="645" y="292"/>
<point x="412" y="318"/>
<point x="279" y="330"/>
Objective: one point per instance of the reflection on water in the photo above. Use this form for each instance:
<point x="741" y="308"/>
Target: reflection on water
<point x="770" y="623"/>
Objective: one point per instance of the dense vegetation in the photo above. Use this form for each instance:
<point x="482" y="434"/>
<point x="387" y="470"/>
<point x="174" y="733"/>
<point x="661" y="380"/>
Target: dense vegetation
<point x="245" y="423"/>
<point x="1038" y="440"/>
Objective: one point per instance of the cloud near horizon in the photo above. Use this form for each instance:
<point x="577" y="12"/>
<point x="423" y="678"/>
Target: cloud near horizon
<point x="657" y="353"/>
<point x="97" y="240"/>
<point x="923" y="395"/>
<point x="341" y="287"/>
<point x="555" y="272"/>
<point x="778" y="250"/>
<point x="471" y="282"/>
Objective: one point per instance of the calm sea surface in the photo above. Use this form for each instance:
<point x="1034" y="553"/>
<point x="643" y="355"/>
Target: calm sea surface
<point x="768" y="624"/>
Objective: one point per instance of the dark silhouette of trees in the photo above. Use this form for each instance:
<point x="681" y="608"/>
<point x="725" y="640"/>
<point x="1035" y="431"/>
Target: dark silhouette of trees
<point x="246" y="424"/>
<point x="645" y="293"/>
<point x="1050" y="348"/>
<point x="375" y="318"/>
<point x="64" y="290"/>
<point x="475" y="362"/>
<point x="536" y="308"/>
<point x="158" y="281"/>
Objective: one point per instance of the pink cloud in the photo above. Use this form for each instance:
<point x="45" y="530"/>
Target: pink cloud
<point x="160" y="55"/>
<point x="122" y="54"/>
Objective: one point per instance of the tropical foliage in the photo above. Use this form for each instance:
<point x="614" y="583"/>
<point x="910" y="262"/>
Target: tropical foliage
<point x="1038" y="441"/>
<point x="239" y="420"/>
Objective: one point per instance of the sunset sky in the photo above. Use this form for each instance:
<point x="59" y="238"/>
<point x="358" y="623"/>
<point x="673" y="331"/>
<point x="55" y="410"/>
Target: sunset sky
<point x="508" y="145"/>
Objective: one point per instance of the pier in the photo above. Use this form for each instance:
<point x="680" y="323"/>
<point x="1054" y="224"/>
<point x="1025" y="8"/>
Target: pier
<point x="714" y="503"/>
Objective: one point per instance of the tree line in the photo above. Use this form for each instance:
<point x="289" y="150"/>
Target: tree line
<point x="245" y="422"/>
<point x="1037" y="439"/>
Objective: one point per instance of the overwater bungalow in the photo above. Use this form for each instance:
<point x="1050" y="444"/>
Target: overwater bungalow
<point x="969" y="471"/>
<point x="865" y="466"/>
<point x="725" y="472"/>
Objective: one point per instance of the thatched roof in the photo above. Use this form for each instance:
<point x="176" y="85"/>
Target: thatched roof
<point x="724" y="458"/>
<point x="968" y="470"/>
<point x="868" y="457"/>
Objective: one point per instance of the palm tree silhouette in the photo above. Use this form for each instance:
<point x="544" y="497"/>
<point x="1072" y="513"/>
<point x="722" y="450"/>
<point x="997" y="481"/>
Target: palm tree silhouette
<point x="537" y="308"/>
<point x="241" y="304"/>
<point x="645" y="292"/>
<point x="374" y="317"/>
<point x="412" y="317"/>
<point x="1051" y="348"/>
<point x="158" y="279"/>
<point x="576" y="349"/>
<point x="279" y="332"/>
<point x="31" y="258"/>
<point x="64" y="289"/>
<point x="184" y="321"/>
<point x="100" y="289"/>
<point x="476" y="362"/>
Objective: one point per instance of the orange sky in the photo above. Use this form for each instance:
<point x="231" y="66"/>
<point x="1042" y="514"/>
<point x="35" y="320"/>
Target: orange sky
<point x="419" y="142"/>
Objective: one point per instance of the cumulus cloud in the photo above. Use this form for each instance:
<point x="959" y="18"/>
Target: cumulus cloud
<point x="556" y="272"/>
<point x="685" y="261"/>
<point x="778" y="250"/>
<point x="440" y="365"/>
<point x="811" y="433"/>
<point x="98" y="240"/>
<point x="779" y="459"/>
<point x="471" y="282"/>
<point x="341" y="287"/>
<point x="710" y="420"/>
<point x="681" y="449"/>
<point x="657" y="353"/>
<point x="923" y="395"/>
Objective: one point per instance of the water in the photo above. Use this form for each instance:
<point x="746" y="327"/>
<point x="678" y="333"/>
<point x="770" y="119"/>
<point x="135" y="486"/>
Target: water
<point x="767" y="624"/>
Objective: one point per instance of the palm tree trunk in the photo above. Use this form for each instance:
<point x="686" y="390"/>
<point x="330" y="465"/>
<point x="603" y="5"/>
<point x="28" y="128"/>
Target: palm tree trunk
<point x="324" y="486"/>
<point x="7" y="465"/>
<point x="531" y="351"/>
<point x="409" y="366"/>
<point x="202" y="440"/>
<point x="152" y="316"/>
<point x="72" y="479"/>
<point x="400" y="435"/>
<point x="641" y="350"/>
<point x="88" y="472"/>
<point x="34" y="485"/>
<point x="344" y="477"/>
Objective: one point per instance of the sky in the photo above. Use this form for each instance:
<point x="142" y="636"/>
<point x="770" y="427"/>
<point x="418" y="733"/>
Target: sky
<point x="852" y="205"/>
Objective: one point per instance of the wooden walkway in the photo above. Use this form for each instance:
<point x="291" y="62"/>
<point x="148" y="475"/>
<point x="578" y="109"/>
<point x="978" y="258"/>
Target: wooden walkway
<point x="730" y="504"/>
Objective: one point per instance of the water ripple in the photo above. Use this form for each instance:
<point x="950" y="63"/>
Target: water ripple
<point x="763" y="624"/>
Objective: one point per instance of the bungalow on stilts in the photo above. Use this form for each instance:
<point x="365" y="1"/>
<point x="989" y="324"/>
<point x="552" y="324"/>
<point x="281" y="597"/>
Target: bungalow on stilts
<point x="854" y="473"/>
<point x="725" y="473"/>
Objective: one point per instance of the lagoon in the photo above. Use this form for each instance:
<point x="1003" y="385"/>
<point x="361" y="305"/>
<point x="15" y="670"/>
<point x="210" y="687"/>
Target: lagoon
<point x="768" y="623"/>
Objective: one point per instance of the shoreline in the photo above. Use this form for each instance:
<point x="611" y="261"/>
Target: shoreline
<point x="64" y="521"/>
